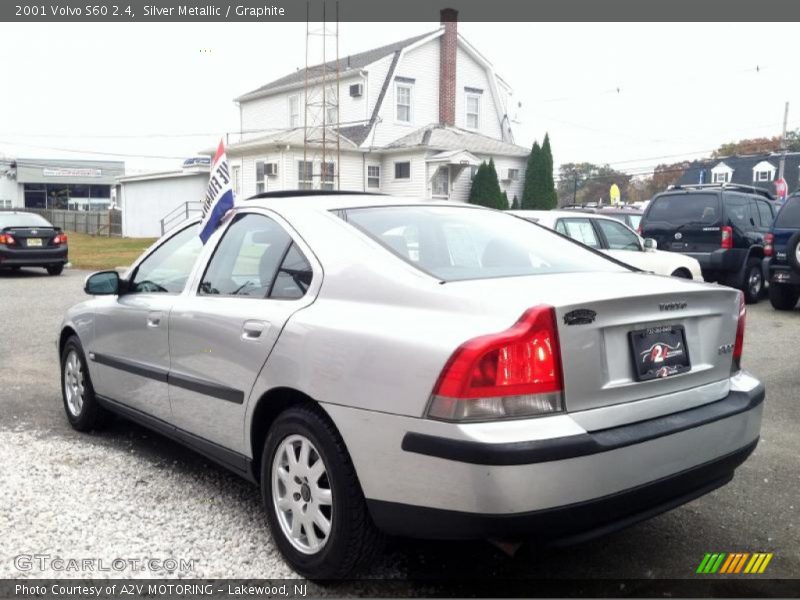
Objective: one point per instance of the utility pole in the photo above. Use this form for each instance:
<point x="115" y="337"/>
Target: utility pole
<point x="783" y="141"/>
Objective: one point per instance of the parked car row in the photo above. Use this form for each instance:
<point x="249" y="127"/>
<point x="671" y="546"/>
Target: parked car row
<point x="430" y="369"/>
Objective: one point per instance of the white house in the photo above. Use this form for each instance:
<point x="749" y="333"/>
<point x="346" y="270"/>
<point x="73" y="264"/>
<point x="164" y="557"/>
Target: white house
<point x="415" y="117"/>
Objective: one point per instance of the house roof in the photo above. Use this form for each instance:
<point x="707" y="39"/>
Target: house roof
<point x="286" y="137"/>
<point x="347" y="64"/>
<point x="743" y="170"/>
<point x="446" y="137"/>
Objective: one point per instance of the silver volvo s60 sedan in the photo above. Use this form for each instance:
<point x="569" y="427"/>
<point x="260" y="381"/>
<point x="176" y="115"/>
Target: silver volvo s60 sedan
<point x="386" y="365"/>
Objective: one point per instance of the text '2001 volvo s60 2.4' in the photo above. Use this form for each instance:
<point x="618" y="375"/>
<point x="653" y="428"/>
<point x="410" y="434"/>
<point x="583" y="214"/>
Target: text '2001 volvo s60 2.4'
<point x="385" y="365"/>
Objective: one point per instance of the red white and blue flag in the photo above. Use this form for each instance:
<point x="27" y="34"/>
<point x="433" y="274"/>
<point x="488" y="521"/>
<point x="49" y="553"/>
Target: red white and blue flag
<point x="219" y="196"/>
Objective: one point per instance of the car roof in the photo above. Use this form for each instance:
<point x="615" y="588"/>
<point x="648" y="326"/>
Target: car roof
<point x="322" y="200"/>
<point x="557" y="214"/>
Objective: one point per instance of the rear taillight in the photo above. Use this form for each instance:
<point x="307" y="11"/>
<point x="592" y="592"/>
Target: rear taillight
<point x="61" y="238"/>
<point x="515" y="373"/>
<point x="727" y="237"/>
<point x="769" y="239"/>
<point x="738" y="345"/>
<point x="7" y="239"/>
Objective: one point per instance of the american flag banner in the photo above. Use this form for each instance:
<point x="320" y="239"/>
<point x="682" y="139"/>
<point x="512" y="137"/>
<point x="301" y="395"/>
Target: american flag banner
<point x="219" y="196"/>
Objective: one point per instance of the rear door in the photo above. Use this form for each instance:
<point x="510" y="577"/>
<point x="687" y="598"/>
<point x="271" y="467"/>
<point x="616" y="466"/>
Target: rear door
<point x="130" y="352"/>
<point x="221" y="334"/>
<point x="685" y="222"/>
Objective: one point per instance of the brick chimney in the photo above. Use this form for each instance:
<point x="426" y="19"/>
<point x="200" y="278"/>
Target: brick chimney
<point x="447" y="66"/>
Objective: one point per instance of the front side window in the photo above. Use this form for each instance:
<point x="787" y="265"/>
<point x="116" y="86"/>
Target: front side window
<point x="440" y="184"/>
<point x="305" y="178"/>
<point x="167" y="268"/>
<point x="458" y="243"/>
<point x="580" y="230"/>
<point x="373" y="176"/>
<point x="473" y="111"/>
<point x="294" y="111"/>
<point x="402" y="170"/>
<point x="254" y="260"/>
<point x="618" y="236"/>
<point x="403" y="96"/>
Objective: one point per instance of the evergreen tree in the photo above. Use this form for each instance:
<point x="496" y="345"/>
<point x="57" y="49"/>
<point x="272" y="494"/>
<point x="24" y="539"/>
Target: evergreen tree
<point x="506" y="205"/>
<point x="550" y="197"/>
<point x="485" y="189"/>
<point x="515" y="203"/>
<point x="528" y="192"/>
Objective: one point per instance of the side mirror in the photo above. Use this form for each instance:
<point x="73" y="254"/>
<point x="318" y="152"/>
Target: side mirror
<point x="650" y="244"/>
<point x="103" y="283"/>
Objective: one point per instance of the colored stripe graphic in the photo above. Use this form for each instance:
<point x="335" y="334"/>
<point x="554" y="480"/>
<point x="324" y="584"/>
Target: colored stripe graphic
<point x="734" y="563"/>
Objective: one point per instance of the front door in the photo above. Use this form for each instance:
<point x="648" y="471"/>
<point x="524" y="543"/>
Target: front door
<point x="221" y="334"/>
<point x="129" y="357"/>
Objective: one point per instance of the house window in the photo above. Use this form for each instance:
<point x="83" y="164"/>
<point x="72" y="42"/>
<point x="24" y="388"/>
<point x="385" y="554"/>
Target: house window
<point x="5" y="203"/>
<point x="473" y="111"/>
<point x="294" y="111"/>
<point x="235" y="176"/>
<point x="330" y="116"/>
<point x="473" y="170"/>
<point x="763" y="176"/>
<point x="305" y="178"/>
<point x="721" y="177"/>
<point x="513" y="174"/>
<point x="328" y="176"/>
<point x="403" y="96"/>
<point x="261" y="182"/>
<point x="440" y="184"/>
<point x="373" y="176"/>
<point x="402" y="170"/>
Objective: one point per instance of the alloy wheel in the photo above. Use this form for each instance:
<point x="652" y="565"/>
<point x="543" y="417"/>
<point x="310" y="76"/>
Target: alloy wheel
<point x="301" y="494"/>
<point x="74" y="389"/>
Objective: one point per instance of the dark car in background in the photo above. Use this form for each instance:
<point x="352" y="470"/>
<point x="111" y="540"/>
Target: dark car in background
<point x="30" y="240"/>
<point x="783" y="248"/>
<point x="723" y="226"/>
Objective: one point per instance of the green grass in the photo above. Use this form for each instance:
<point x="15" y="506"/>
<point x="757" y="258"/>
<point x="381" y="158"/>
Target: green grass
<point x="95" y="252"/>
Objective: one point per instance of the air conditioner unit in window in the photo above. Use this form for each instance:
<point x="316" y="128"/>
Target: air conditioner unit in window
<point x="270" y="169"/>
<point x="357" y="90"/>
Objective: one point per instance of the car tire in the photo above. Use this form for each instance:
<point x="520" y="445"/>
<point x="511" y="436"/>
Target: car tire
<point x="83" y="410"/>
<point x="783" y="297"/>
<point x="681" y="273"/>
<point x="791" y="252"/>
<point x="55" y="269"/>
<point x="753" y="282"/>
<point x="330" y="491"/>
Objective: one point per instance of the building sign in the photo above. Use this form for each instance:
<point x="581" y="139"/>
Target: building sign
<point x="71" y="172"/>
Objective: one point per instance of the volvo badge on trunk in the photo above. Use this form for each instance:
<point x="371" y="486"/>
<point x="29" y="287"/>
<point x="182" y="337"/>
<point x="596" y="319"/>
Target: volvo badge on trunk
<point x="579" y="316"/>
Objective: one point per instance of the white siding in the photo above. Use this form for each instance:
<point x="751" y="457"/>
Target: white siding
<point x="502" y="164"/>
<point x="8" y="192"/>
<point x="416" y="186"/>
<point x="470" y="74"/>
<point x="422" y="65"/>
<point x="145" y="203"/>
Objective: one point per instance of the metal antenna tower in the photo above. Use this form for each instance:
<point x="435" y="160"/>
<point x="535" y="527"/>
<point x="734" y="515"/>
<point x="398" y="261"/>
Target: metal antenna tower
<point x="321" y="151"/>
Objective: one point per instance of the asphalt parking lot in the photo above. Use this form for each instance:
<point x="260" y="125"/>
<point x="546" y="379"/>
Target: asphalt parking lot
<point x="127" y="492"/>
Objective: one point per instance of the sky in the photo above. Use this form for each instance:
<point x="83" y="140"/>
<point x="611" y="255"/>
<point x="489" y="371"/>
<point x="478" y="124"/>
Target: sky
<point x="631" y="95"/>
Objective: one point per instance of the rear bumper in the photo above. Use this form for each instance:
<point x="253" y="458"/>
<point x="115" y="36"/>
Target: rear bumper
<point x="564" y="524"/>
<point x="574" y="474"/>
<point x="25" y="257"/>
<point x="727" y="260"/>
<point x="783" y="274"/>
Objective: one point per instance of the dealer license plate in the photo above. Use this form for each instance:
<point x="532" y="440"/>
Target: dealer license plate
<point x="659" y="352"/>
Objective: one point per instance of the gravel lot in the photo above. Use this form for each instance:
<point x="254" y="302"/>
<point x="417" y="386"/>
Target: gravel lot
<point x="129" y="493"/>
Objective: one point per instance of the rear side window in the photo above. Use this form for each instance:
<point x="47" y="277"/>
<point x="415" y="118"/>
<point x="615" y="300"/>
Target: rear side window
<point x="458" y="243"/>
<point x="580" y="230"/>
<point x="764" y="212"/>
<point x="737" y="209"/>
<point x="256" y="259"/>
<point x="23" y="220"/>
<point x="789" y="215"/>
<point x="679" y="209"/>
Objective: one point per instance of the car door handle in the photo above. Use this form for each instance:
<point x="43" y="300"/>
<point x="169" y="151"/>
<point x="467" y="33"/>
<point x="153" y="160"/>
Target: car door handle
<point x="252" y="330"/>
<point x="154" y="319"/>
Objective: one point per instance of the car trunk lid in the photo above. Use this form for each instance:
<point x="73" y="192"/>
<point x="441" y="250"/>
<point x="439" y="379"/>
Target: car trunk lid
<point x="33" y="237"/>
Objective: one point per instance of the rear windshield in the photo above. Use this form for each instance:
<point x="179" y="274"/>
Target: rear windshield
<point x="678" y="209"/>
<point x="457" y="243"/>
<point x="789" y="216"/>
<point x="22" y="220"/>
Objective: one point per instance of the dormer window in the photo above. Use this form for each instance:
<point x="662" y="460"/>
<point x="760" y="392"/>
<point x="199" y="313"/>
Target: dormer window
<point x="721" y="173"/>
<point x="764" y="171"/>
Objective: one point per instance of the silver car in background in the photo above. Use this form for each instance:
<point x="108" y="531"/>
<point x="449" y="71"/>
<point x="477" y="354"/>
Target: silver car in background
<point x="431" y="369"/>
